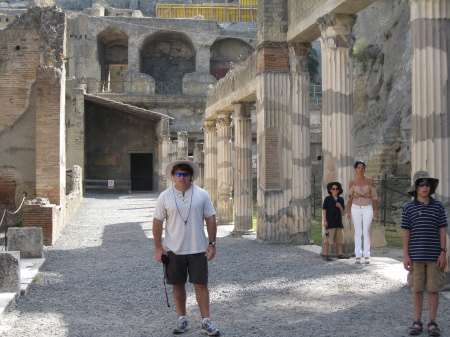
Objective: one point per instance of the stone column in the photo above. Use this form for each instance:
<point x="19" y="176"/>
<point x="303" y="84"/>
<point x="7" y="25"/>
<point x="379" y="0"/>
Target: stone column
<point x="166" y="144"/>
<point x="210" y="181"/>
<point x="182" y="144"/>
<point x="50" y="157"/>
<point x="225" y="171"/>
<point x="337" y="106"/>
<point x="199" y="157"/>
<point x="301" y="144"/>
<point x="173" y="155"/>
<point x="243" y="198"/>
<point x="430" y="143"/>
<point x="77" y="131"/>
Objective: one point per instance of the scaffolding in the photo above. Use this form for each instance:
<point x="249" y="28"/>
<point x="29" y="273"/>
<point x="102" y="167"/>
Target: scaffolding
<point x="244" y="11"/>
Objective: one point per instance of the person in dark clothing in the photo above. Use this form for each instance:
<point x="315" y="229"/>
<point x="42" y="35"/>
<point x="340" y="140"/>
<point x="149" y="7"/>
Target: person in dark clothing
<point x="332" y="210"/>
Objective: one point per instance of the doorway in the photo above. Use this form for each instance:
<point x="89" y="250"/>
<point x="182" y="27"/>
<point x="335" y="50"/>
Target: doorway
<point x="141" y="171"/>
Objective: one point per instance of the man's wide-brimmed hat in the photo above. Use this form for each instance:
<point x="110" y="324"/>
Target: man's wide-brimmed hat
<point x="330" y="185"/>
<point x="423" y="175"/>
<point x="179" y="161"/>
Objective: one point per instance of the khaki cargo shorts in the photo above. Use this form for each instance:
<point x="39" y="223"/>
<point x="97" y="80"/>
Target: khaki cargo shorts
<point x="426" y="276"/>
<point x="335" y="235"/>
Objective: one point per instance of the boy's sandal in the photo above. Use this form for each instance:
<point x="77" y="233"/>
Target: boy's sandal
<point x="326" y="258"/>
<point x="358" y="260"/>
<point x="342" y="256"/>
<point x="367" y="260"/>
<point x="414" y="330"/>
<point x="434" y="331"/>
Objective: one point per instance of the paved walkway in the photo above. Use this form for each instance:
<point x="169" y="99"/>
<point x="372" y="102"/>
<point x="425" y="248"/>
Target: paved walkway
<point x="100" y="279"/>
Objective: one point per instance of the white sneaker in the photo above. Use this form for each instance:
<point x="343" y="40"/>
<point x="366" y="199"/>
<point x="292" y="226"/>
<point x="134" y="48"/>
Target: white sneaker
<point x="181" y="327"/>
<point x="208" y="329"/>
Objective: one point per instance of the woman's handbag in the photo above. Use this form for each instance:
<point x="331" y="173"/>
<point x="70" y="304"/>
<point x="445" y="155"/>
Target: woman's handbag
<point x="377" y="235"/>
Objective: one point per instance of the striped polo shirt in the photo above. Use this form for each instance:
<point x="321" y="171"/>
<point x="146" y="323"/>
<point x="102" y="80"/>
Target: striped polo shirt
<point x="424" y="222"/>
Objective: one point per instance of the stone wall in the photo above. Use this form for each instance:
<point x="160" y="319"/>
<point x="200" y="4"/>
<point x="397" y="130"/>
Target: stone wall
<point x="34" y="41"/>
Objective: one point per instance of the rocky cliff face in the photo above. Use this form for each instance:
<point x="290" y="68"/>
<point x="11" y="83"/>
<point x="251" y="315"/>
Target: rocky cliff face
<point x="383" y="58"/>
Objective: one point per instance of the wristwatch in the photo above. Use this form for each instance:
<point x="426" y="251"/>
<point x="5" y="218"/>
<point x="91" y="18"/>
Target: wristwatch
<point x="213" y="243"/>
<point x="444" y="250"/>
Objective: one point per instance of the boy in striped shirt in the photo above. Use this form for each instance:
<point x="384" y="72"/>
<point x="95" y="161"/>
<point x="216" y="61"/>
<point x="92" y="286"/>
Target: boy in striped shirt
<point x="424" y="249"/>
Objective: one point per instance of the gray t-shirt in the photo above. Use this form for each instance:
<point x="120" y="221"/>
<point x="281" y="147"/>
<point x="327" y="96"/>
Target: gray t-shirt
<point x="176" y="209"/>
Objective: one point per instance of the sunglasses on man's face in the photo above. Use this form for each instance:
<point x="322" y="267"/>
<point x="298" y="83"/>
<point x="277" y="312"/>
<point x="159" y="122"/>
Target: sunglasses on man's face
<point x="182" y="174"/>
<point x="424" y="183"/>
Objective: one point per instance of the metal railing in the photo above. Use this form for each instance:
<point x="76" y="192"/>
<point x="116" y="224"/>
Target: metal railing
<point x="161" y="88"/>
<point x="315" y="92"/>
<point x="3" y="227"/>
<point x="391" y="199"/>
<point x="168" y="88"/>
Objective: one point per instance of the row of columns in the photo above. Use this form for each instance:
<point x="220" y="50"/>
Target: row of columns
<point x="221" y="182"/>
<point x="175" y="149"/>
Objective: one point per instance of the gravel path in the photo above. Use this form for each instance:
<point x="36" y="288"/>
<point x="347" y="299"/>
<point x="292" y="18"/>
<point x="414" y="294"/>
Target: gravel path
<point x="100" y="279"/>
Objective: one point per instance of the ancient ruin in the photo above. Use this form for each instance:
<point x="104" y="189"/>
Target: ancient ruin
<point x="110" y="93"/>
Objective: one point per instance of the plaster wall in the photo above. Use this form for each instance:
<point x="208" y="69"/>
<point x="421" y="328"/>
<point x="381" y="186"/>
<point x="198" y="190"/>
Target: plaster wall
<point x="111" y="137"/>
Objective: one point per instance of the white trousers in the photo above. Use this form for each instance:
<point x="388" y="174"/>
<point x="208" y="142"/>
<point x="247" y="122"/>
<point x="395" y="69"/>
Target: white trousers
<point x="362" y="219"/>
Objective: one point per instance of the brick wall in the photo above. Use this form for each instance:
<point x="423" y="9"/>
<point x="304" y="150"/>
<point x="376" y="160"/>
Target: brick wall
<point x="273" y="56"/>
<point x="48" y="136"/>
<point x="19" y="59"/>
<point x="7" y="190"/>
<point x="41" y="215"/>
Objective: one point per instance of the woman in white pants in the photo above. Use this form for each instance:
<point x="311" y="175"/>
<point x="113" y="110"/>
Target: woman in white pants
<point x="362" y="199"/>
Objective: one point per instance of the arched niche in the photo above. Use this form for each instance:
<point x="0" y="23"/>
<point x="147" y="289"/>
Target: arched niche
<point x="227" y="53"/>
<point x="113" y="58"/>
<point x="167" y="56"/>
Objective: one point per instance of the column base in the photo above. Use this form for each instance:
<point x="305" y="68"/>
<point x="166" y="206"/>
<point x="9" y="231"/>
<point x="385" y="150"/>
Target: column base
<point x="237" y="233"/>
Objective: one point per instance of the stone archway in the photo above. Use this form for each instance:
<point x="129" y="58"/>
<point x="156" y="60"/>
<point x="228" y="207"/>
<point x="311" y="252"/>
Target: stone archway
<point x="113" y="58"/>
<point x="226" y="54"/>
<point x="167" y="57"/>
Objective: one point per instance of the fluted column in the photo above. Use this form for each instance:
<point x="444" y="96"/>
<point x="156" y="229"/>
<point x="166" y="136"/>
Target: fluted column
<point x="243" y="198"/>
<point x="210" y="181"/>
<point x="182" y="148"/>
<point x="301" y="148"/>
<point x="199" y="159"/>
<point x="172" y="156"/>
<point x="337" y="104"/>
<point x="278" y="208"/>
<point x="430" y="144"/>
<point x="164" y="152"/>
<point x="224" y="176"/>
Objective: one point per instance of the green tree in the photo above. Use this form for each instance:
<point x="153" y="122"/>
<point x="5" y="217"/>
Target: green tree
<point x="313" y="65"/>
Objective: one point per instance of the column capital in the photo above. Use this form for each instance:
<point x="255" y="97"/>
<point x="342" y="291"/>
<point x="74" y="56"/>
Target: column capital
<point x="298" y="55"/>
<point x="340" y="34"/>
<point x="210" y="126"/>
<point x="182" y="135"/>
<point x="224" y="120"/>
<point x="242" y="110"/>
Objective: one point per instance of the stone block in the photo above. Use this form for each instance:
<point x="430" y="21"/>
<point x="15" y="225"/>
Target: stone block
<point x="10" y="275"/>
<point x="29" y="241"/>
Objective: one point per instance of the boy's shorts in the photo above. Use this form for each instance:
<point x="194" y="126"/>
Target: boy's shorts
<point x="335" y="235"/>
<point x="426" y="276"/>
<point x="196" y="265"/>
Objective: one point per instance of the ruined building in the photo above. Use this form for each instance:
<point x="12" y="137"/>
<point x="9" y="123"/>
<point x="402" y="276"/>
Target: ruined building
<point x="117" y="96"/>
<point x="113" y="94"/>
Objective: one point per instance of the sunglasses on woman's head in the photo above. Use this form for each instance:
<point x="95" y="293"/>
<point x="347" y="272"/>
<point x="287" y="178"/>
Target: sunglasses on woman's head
<point x="182" y="174"/>
<point x="334" y="189"/>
